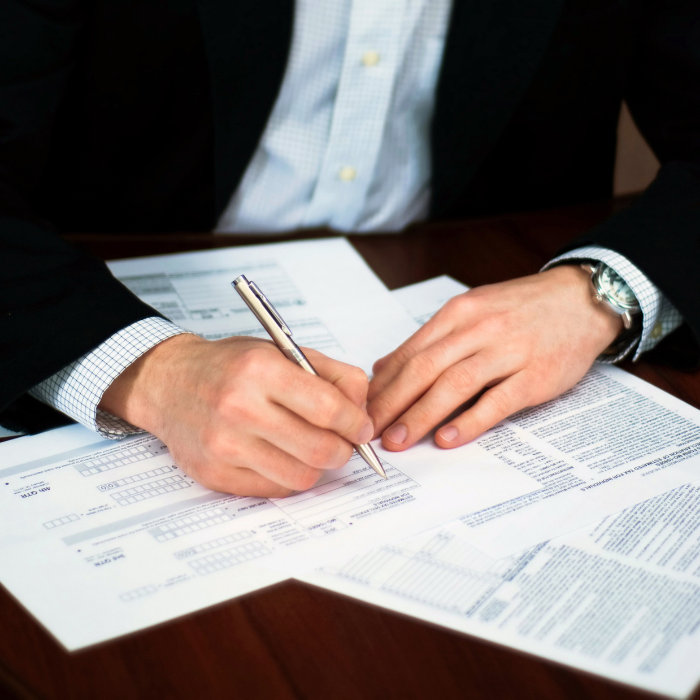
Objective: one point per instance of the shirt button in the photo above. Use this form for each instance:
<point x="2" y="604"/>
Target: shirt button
<point x="347" y="173"/>
<point x="370" y="58"/>
<point x="657" y="330"/>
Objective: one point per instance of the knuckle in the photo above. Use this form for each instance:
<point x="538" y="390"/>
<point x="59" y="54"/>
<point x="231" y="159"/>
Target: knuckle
<point x="422" y="416"/>
<point x="358" y="376"/>
<point x="221" y="401"/>
<point x="214" y="441"/>
<point x="229" y="405"/>
<point x="500" y="402"/>
<point x="212" y="478"/>
<point x="461" y="379"/>
<point x="305" y="479"/>
<point x="402" y="354"/>
<point x="382" y="406"/>
<point x="458" y="304"/>
<point x="381" y="362"/>
<point x="325" y="451"/>
<point x="421" y="365"/>
<point x="328" y="409"/>
<point x="254" y="361"/>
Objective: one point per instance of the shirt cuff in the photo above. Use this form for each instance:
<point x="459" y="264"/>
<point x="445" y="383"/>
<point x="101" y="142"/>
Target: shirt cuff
<point x="77" y="389"/>
<point x="659" y="316"/>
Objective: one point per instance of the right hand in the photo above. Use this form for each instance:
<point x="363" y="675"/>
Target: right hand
<point x="239" y="417"/>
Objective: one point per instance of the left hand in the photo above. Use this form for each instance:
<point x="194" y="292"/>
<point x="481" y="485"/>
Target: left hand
<point x="524" y="341"/>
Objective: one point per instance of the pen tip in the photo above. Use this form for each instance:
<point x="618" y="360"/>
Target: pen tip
<point x="370" y="456"/>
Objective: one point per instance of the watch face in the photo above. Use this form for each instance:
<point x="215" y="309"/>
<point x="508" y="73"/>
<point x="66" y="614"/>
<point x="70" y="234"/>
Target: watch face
<point x="616" y="287"/>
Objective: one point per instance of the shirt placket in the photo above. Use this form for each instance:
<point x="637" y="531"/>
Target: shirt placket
<point x="359" y="115"/>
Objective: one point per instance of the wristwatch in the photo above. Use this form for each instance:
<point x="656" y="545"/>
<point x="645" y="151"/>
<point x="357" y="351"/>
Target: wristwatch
<point x="610" y="290"/>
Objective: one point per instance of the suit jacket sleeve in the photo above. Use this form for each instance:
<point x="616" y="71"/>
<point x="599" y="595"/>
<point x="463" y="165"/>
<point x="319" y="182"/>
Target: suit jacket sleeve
<point x="660" y="232"/>
<point x="56" y="303"/>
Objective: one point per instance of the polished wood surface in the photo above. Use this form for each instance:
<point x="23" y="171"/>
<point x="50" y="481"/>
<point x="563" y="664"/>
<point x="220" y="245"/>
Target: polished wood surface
<point x="295" y="641"/>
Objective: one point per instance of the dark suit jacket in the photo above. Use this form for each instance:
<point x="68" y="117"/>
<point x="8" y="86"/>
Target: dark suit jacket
<point x="141" y="115"/>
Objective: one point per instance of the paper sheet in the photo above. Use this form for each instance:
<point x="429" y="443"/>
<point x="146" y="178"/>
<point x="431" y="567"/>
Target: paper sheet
<point x="620" y="598"/>
<point x="424" y="299"/>
<point x="610" y="442"/>
<point x="89" y="569"/>
<point x="323" y="289"/>
<point x="102" y="538"/>
<point x="568" y="600"/>
<point x="5" y="433"/>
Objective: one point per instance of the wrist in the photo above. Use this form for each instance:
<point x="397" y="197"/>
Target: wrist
<point x="137" y="392"/>
<point x="603" y="327"/>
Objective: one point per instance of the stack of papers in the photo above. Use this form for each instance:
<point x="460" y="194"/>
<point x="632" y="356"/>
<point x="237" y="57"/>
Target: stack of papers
<point x="570" y="530"/>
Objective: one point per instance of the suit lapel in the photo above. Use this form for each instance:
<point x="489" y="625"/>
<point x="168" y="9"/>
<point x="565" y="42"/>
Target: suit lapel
<point x="492" y="51"/>
<point x="247" y="43"/>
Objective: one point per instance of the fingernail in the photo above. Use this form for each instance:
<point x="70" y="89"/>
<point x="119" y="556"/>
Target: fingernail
<point x="397" y="433"/>
<point x="366" y="434"/>
<point x="449" y="433"/>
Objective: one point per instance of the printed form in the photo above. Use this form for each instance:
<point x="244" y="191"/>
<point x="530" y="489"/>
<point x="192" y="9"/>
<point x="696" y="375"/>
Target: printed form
<point x="608" y="443"/>
<point x="101" y="538"/>
<point x="323" y="289"/>
<point x="620" y="598"/>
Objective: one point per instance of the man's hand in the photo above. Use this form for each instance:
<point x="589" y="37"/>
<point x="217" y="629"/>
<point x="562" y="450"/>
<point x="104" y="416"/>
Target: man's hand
<point x="525" y="341"/>
<point x="240" y="417"/>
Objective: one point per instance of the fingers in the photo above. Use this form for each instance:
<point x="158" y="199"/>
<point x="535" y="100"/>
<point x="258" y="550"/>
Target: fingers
<point x="420" y="373"/>
<point x="496" y="404"/>
<point x="309" y="444"/>
<point x="230" y="465"/>
<point x="239" y="417"/>
<point x="246" y="482"/>
<point x="282" y="468"/>
<point x="440" y="325"/>
<point x="351" y="381"/>
<point x="456" y="385"/>
<point x="321" y="403"/>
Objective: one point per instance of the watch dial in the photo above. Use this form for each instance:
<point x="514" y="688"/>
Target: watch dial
<point x="616" y="287"/>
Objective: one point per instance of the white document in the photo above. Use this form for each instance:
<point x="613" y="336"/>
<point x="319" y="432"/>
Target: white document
<point x="323" y="289"/>
<point x="609" y="442"/>
<point x="424" y="299"/>
<point x="620" y="599"/>
<point x="90" y="566"/>
<point x="99" y="538"/>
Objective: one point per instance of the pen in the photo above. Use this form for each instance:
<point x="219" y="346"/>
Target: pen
<point x="272" y="322"/>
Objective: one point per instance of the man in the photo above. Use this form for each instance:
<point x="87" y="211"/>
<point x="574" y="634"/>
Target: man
<point x="262" y="115"/>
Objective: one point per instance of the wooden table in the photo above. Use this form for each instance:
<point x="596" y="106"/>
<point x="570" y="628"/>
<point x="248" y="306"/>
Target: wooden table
<point x="296" y="641"/>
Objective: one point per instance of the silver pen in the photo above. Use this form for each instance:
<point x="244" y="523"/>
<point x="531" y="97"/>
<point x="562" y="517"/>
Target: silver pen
<point x="280" y="333"/>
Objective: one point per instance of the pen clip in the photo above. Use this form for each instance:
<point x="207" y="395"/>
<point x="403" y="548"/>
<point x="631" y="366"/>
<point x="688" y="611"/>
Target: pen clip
<point x="270" y="308"/>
